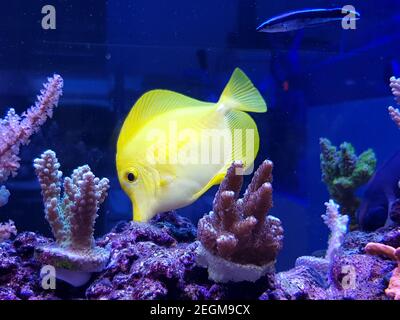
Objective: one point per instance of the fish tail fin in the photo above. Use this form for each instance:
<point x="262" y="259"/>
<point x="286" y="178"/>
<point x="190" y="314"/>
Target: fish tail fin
<point x="240" y="94"/>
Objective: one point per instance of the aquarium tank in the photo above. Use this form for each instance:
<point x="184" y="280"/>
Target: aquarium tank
<point x="200" y="150"/>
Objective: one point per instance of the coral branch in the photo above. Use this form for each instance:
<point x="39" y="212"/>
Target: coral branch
<point x="393" y="112"/>
<point x="71" y="216"/>
<point x="240" y="231"/>
<point x="49" y="178"/>
<point x="344" y="172"/>
<point x="395" y="86"/>
<point x="337" y="224"/>
<point x="394" y="115"/>
<point x="16" y="131"/>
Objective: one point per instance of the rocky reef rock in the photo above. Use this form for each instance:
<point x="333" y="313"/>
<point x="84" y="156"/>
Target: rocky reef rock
<point x="181" y="228"/>
<point x="299" y="283"/>
<point x="146" y="263"/>
<point x="19" y="272"/>
<point x="353" y="274"/>
<point x="149" y="262"/>
<point x="356" y="275"/>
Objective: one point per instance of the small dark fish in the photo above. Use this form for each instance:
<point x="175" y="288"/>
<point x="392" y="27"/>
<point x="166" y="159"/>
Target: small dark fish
<point x="296" y="20"/>
<point x="380" y="195"/>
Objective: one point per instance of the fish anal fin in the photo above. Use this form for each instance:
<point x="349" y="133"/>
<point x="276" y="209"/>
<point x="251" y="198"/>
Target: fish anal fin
<point x="245" y="136"/>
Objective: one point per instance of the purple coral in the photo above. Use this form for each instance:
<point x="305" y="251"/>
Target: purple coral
<point x="238" y="236"/>
<point x="394" y="115"/>
<point x="16" y="130"/>
<point x="71" y="216"/>
<point x="393" y="112"/>
<point x="395" y="86"/>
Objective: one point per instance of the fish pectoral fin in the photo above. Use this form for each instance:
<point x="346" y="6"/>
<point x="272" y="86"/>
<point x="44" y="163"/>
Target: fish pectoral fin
<point x="150" y="105"/>
<point x="217" y="179"/>
<point x="166" y="180"/>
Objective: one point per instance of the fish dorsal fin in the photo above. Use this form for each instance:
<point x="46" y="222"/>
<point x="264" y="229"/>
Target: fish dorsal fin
<point x="151" y="104"/>
<point x="240" y="94"/>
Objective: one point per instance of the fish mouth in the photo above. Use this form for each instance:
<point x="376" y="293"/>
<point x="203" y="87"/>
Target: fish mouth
<point x="136" y="211"/>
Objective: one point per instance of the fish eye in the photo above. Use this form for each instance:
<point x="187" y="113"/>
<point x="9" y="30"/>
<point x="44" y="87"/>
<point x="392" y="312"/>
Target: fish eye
<point x="131" y="177"/>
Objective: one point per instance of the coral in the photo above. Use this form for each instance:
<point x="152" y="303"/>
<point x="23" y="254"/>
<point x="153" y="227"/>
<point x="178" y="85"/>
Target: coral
<point x="7" y="229"/>
<point x="71" y="216"/>
<point x="344" y="172"/>
<point x="395" y="86"/>
<point x="394" y="115"/>
<point x="337" y="225"/>
<point x="16" y="130"/>
<point x="146" y="262"/>
<point x="373" y="248"/>
<point x="393" y="112"/>
<point x="238" y="234"/>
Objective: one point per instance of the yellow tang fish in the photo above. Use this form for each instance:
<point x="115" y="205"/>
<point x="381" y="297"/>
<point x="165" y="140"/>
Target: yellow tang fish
<point x="172" y="148"/>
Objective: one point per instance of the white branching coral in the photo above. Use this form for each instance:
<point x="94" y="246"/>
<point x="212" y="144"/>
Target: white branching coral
<point x="337" y="224"/>
<point x="71" y="215"/>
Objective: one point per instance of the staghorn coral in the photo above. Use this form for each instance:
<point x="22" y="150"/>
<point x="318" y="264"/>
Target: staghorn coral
<point x="7" y="229"/>
<point x="373" y="248"/>
<point x="16" y="130"/>
<point x="344" y="172"/>
<point x="71" y="216"/>
<point x="337" y="224"/>
<point x="239" y="241"/>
